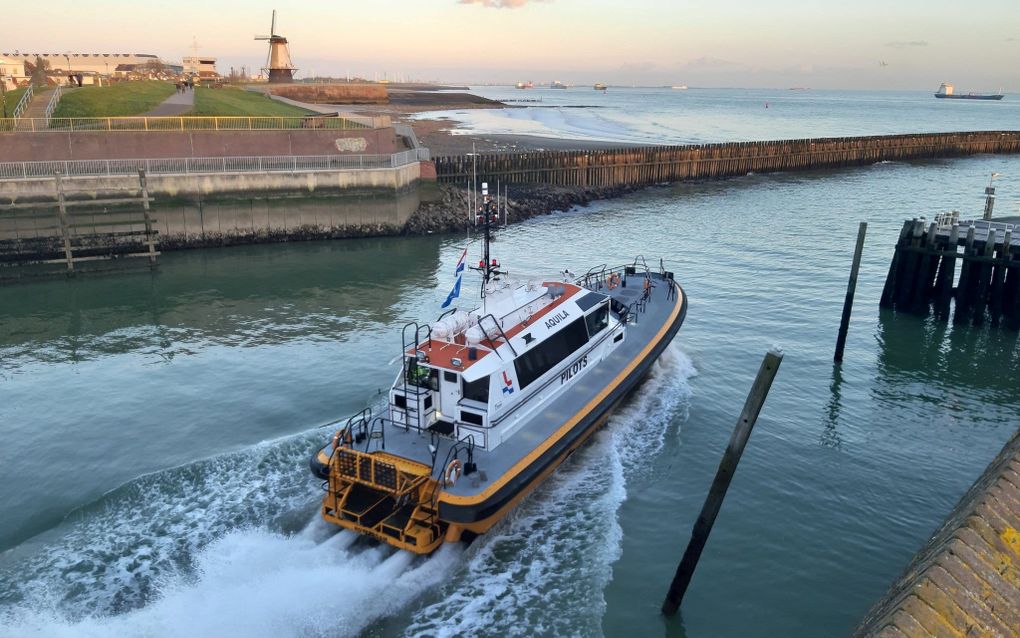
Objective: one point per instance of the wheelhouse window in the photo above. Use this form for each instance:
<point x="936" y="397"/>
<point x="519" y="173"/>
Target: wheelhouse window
<point x="421" y="376"/>
<point x="598" y="320"/>
<point x="477" y="390"/>
<point x="535" y="362"/>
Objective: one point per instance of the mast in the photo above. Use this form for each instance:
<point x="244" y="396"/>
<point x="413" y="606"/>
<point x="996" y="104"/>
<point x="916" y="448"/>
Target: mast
<point x="488" y="266"/>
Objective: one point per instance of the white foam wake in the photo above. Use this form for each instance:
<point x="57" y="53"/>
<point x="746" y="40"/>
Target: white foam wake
<point x="169" y="557"/>
<point x="257" y="583"/>
<point x="542" y="571"/>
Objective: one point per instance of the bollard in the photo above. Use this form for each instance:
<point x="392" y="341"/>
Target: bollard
<point x="723" y="476"/>
<point x="851" y="288"/>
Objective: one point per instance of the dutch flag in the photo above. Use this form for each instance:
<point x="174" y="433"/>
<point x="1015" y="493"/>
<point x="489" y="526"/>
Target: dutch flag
<point x="460" y="263"/>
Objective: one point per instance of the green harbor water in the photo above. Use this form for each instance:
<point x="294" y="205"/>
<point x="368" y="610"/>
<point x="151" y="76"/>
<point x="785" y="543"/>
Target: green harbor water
<point x="156" y="429"/>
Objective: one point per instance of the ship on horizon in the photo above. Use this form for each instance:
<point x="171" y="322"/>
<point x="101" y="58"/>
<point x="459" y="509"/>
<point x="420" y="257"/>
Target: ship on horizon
<point x="946" y="91"/>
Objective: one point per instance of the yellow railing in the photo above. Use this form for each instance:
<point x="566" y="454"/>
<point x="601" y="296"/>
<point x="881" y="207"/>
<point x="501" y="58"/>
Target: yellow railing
<point x="191" y="123"/>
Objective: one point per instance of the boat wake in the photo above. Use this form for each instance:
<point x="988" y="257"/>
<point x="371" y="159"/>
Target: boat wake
<point x="542" y="570"/>
<point x="224" y="547"/>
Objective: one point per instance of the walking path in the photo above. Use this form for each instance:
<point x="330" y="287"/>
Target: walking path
<point x="176" y="104"/>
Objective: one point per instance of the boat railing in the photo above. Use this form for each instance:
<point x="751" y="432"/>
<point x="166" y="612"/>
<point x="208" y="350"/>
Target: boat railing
<point x="465" y="445"/>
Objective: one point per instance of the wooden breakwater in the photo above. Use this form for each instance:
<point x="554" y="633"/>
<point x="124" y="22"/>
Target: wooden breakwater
<point x="966" y="580"/>
<point x="660" y="164"/>
<point x="923" y="271"/>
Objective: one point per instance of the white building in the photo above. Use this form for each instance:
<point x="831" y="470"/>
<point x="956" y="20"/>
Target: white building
<point x="101" y="63"/>
<point x="11" y="72"/>
<point x="202" y="66"/>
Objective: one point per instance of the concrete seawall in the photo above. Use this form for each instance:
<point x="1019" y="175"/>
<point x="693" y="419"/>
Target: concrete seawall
<point x="55" y="146"/>
<point x="966" y="580"/>
<point x="223" y="209"/>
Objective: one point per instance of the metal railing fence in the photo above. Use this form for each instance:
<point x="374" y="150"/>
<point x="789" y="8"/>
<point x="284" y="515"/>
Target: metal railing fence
<point x="189" y="165"/>
<point x="26" y="99"/>
<point x="52" y="105"/>
<point x="189" y="123"/>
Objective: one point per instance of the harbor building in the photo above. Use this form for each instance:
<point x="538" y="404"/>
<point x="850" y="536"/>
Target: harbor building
<point x="202" y="66"/>
<point x="12" y="72"/>
<point x="98" y="63"/>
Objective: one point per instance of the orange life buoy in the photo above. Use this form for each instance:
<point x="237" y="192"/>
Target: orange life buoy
<point x="614" y="280"/>
<point x="452" y="472"/>
<point x="347" y="438"/>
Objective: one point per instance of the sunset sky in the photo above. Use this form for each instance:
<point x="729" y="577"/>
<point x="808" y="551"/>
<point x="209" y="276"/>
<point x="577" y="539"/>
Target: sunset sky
<point x="736" y="43"/>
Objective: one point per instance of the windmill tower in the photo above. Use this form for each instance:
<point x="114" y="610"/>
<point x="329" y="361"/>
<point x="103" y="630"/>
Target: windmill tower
<point x="278" y="65"/>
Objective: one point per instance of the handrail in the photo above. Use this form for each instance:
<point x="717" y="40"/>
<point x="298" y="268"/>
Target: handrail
<point x="203" y="165"/>
<point x="200" y="123"/>
<point x="52" y="105"/>
<point x="23" y="103"/>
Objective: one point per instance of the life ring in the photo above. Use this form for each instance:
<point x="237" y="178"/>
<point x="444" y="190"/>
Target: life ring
<point x="347" y="438"/>
<point x="452" y="472"/>
<point x="614" y="281"/>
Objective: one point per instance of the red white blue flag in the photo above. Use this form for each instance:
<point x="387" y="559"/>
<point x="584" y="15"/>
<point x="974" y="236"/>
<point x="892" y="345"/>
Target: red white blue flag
<point x="460" y="263"/>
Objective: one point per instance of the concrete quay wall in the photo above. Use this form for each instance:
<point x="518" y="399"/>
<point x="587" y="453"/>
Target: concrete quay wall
<point x="57" y="146"/>
<point x="223" y="209"/>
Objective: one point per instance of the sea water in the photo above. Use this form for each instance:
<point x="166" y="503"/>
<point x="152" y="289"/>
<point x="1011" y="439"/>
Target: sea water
<point x="157" y="426"/>
<point x="699" y="116"/>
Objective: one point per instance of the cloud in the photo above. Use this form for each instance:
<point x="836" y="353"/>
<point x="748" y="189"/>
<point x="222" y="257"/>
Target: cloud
<point x="909" y="43"/>
<point x="500" y="4"/>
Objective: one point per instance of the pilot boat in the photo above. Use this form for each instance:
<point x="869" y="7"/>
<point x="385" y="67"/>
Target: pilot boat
<point x="489" y="401"/>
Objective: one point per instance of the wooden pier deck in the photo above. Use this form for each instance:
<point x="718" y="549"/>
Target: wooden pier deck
<point x="966" y="581"/>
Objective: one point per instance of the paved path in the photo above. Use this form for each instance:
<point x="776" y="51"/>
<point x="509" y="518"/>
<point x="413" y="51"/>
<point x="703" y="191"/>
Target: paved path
<point x="176" y="104"/>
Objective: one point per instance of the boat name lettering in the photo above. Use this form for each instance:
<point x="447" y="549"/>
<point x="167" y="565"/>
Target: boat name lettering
<point x="574" y="368"/>
<point x="560" y="316"/>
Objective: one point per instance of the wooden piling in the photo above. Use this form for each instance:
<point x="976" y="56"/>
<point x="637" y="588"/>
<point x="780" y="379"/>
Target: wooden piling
<point x="851" y="288"/>
<point x="889" y="291"/>
<point x="65" y="228"/>
<point x="943" y="292"/>
<point x="654" y="164"/>
<point x="149" y="235"/>
<point x="727" y="468"/>
<point x="983" y="272"/>
<point x="964" y="289"/>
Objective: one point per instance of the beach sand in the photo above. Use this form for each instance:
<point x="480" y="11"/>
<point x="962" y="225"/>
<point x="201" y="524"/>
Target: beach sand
<point x="439" y="137"/>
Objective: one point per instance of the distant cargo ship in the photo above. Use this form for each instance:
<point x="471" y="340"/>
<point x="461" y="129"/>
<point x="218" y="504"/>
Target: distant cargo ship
<point x="680" y="87"/>
<point x="600" y="86"/>
<point x="557" y="85"/>
<point x="946" y="91"/>
<point x="525" y="85"/>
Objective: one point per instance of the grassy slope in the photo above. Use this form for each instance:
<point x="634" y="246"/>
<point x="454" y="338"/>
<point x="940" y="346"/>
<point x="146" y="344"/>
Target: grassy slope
<point x="12" y="101"/>
<point x="125" y="98"/>
<point x="231" y="101"/>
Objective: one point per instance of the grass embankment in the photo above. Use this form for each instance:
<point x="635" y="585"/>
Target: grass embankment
<point x="229" y="101"/>
<point x="13" y="97"/>
<point x="116" y="100"/>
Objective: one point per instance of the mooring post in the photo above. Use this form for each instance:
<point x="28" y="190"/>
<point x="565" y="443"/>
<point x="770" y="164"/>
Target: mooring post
<point x="65" y="227"/>
<point x="723" y="476"/>
<point x="851" y="288"/>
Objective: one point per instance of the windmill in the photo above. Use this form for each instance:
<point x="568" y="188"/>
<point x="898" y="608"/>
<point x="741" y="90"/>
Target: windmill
<point x="278" y="65"/>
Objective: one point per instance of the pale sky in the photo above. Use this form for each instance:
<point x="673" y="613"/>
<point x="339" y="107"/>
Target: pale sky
<point x="714" y="43"/>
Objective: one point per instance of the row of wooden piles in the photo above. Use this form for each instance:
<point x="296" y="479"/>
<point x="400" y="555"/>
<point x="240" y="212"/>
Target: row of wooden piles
<point x="661" y="164"/>
<point x="923" y="270"/>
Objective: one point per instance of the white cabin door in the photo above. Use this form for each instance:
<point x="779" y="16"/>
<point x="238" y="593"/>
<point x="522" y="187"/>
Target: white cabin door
<point x="449" y="395"/>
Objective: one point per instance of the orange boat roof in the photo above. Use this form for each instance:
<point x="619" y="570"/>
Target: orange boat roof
<point x="441" y="352"/>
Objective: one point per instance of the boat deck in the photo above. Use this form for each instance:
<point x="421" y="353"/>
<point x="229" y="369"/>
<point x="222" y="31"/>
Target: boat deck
<point x="658" y="315"/>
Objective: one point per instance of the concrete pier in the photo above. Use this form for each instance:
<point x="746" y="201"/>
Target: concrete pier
<point x="966" y="580"/>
